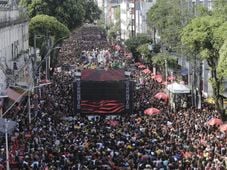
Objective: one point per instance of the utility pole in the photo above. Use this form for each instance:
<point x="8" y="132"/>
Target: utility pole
<point x="35" y="61"/>
<point x="134" y="11"/>
<point x="7" y="145"/>
<point x="35" y="76"/>
<point x="194" y="101"/>
<point x="132" y="32"/>
<point x="29" y="106"/>
<point x="194" y="69"/>
<point x="48" y="57"/>
<point x="133" y="17"/>
<point x="166" y="71"/>
<point x="199" y="86"/>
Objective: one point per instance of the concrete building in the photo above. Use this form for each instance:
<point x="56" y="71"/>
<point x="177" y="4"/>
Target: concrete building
<point x="142" y="7"/>
<point x="134" y="17"/>
<point x="206" y="3"/>
<point x="126" y="19"/>
<point x="14" y="47"/>
<point x="109" y="7"/>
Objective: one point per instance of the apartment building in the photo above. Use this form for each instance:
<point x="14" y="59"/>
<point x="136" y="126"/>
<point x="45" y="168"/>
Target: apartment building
<point x="134" y="17"/>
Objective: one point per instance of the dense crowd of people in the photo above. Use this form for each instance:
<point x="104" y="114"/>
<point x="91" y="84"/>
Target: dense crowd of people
<point x="85" y="39"/>
<point x="57" y="139"/>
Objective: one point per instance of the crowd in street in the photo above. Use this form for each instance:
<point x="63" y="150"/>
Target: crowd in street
<point x="86" y="38"/>
<point x="56" y="140"/>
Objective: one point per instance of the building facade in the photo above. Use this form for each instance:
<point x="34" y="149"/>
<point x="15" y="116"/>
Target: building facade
<point x="134" y="17"/>
<point x="142" y="7"/>
<point x="14" y="46"/>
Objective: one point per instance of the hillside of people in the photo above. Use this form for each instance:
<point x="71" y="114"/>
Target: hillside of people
<point x="57" y="139"/>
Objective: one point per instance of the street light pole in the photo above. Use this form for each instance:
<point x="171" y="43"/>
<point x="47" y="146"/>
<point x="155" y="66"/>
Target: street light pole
<point x="166" y="71"/>
<point x="48" y="57"/>
<point x="7" y="145"/>
<point x="29" y="107"/>
<point x="134" y="11"/>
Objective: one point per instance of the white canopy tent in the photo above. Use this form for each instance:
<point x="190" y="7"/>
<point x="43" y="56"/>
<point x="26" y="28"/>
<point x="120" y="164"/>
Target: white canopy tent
<point x="177" y="88"/>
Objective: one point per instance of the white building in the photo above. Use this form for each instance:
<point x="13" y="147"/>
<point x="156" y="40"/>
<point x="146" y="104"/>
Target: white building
<point x="14" y="45"/>
<point x="142" y="7"/>
<point x="206" y="3"/>
<point x="126" y="19"/>
<point x="134" y="17"/>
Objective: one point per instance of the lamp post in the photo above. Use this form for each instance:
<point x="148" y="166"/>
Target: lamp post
<point x="7" y="145"/>
<point x="166" y="71"/>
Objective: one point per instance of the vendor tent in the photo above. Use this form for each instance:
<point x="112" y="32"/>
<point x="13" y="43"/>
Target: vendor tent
<point x="178" y="88"/>
<point x="214" y="121"/>
<point x="161" y="96"/>
<point x="151" y="111"/>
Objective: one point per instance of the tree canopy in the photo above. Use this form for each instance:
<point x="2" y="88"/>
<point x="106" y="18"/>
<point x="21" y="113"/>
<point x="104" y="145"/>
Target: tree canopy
<point x="205" y="36"/>
<point x="43" y="25"/>
<point x="143" y="49"/>
<point x="220" y="9"/>
<point x="222" y="63"/>
<point x="69" y="12"/>
<point x="167" y="17"/>
<point x="115" y="27"/>
<point x="159" y="60"/>
<point x="134" y="42"/>
<point x="92" y="11"/>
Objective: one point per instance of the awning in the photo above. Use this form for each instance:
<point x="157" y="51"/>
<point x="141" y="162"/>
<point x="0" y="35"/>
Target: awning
<point x="13" y="95"/>
<point x="151" y="111"/>
<point x="158" y="78"/>
<point x="146" y="71"/>
<point x="178" y="88"/>
<point x="161" y="96"/>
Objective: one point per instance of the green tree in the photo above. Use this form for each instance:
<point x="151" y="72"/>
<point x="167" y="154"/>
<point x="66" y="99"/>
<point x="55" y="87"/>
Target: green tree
<point x="144" y="51"/>
<point x="92" y="11"/>
<point x="168" y="17"/>
<point x="160" y="58"/>
<point x="222" y="63"/>
<point x="115" y="27"/>
<point x="71" y="13"/>
<point x="46" y="26"/>
<point x="134" y="42"/>
<point x="220" y="9"/>
<point x="205" y="36"/>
